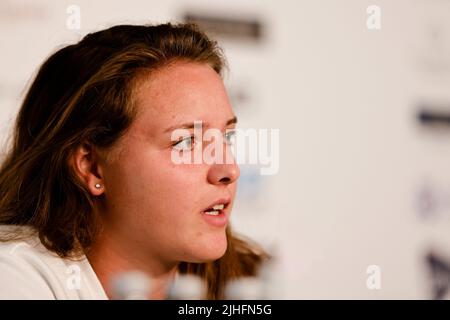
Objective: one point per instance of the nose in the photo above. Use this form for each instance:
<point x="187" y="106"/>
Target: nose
<point x="223" y="173"/>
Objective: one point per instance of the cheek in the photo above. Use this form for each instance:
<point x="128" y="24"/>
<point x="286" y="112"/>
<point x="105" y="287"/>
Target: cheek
<point x="161" y="203"/>
<point x="148" y="183"/>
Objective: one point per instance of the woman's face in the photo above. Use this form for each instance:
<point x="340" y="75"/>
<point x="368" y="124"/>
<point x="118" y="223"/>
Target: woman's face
<point x="154" y="205"/>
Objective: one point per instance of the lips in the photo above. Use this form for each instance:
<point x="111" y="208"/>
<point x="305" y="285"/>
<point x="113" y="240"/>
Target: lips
<point x="215" y="213"/>
<point x="217" y="207"/>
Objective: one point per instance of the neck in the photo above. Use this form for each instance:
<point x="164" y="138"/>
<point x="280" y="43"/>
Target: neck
<point x="109" y="257"/>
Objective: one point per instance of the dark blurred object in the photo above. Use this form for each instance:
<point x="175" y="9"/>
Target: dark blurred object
<point x="428" y="117"/>
<point x="233" y="28"/>
<point x="440" y="275"/>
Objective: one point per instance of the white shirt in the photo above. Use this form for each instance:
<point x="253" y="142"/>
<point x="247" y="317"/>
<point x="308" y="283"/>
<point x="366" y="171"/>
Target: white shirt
<point x="29" y="271"/>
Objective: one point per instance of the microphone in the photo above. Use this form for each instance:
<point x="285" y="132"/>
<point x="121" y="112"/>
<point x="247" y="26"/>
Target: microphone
<point x="187" y="287"/>
<point x="133" y="285"/>
<point x="245" y="288"/>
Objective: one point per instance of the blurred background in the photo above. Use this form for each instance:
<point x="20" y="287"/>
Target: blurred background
<point x="360" y="93"/>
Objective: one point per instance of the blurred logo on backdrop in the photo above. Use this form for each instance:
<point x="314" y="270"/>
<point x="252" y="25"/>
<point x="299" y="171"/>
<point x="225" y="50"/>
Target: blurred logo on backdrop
<point x="439" y="271"/>
<point x="247" y="29"/>
<point x="433" y="47"/>
<point x="433" y="201"/>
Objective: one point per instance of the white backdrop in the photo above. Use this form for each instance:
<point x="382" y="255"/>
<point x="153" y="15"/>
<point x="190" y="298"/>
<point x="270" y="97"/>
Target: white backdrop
<point x="361" y="182"/>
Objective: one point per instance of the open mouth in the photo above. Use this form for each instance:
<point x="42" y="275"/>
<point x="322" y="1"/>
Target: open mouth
<point x="216" y="214"/>
<point x="216" y="209"/>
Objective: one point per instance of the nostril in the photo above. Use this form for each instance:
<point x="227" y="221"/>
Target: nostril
<point x="225" y="180"/>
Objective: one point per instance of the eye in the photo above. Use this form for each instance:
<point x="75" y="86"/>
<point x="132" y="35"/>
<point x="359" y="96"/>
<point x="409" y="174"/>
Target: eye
<point x="185" y="144"/>
<point x="230" y="137"/>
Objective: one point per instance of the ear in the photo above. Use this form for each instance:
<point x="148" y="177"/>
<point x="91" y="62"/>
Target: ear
<point x="85" y="163"/>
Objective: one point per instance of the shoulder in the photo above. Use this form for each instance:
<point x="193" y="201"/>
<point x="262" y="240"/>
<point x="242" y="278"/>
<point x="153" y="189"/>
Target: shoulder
<point x="20" y="267"/>
<point x="29" y="271"/>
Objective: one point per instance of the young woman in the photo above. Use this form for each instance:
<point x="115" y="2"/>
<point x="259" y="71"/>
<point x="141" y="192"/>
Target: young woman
<point x="89" y="187"/>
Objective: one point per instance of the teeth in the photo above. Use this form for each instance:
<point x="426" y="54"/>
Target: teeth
<point x="215" y="210"/>
<point x="219" y="206"/>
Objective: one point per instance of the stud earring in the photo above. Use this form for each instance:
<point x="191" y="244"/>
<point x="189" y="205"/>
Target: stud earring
<point x="98" y="185"/>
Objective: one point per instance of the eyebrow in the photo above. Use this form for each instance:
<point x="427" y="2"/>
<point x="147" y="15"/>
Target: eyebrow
<point x="190" y="125"/>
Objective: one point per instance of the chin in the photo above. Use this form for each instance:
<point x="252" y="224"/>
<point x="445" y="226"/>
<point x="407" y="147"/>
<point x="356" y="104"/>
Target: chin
<point x="210" y="251"/>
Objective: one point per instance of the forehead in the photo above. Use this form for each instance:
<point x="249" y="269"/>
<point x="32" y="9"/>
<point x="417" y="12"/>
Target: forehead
<point x="179" y="93"/>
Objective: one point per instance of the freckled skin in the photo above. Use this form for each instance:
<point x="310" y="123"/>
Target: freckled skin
<point x="153" y="205"/>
